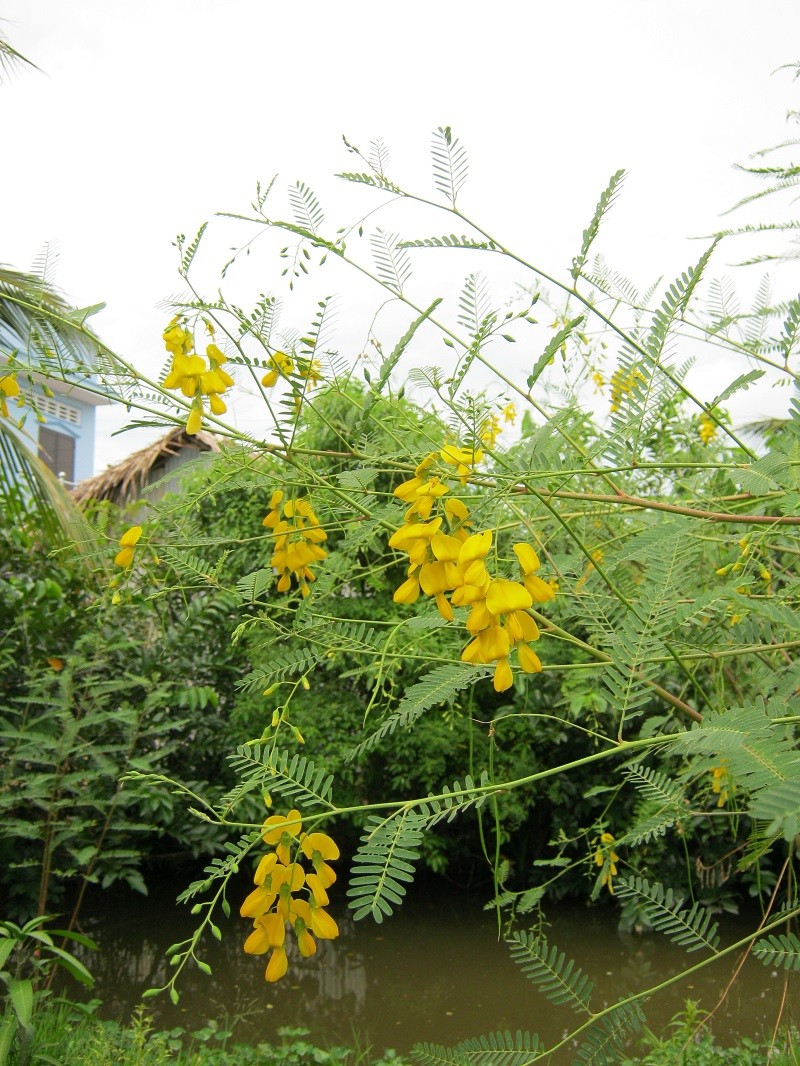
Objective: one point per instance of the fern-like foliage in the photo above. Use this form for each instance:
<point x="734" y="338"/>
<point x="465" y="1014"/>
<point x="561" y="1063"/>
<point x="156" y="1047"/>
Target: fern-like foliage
<point x="667" y="554"/>
<point x="759" y="756"/>
<point x="673" y="306"/>
<point x="284" y="773"/>
<point x="292" y="663"/>
<point x="549" y="969"/>
<point x="692" y="928"/>
<point x="604" y="1040"/>
<point x="383" y="864"/>
<point x="451" y="241"/>
<point x="496" y="1049"/>
<point x="782" y="950"/>
<point x="591" y="231"/>
<point x="454" y="800"/>
<point x="450" y="163"/>
<point x="306" y="208"/>
<point x="391" y="260"/>
<point x="662" y="805"/>
<point x="433" y="689"/>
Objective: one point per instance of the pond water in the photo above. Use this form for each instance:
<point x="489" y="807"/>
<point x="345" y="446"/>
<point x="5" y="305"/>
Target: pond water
<point x="435" y="971"/>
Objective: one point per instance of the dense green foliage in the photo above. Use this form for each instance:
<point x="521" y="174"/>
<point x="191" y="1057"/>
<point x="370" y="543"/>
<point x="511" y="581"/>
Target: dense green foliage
<point x="391" y="695"/>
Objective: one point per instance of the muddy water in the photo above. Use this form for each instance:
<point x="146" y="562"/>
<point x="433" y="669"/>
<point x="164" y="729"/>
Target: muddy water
<point x="434" y="972"/>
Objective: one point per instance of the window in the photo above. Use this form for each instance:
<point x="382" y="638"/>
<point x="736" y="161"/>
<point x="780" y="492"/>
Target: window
<point x="49" y="405"/>
<point x="57" y="451"/>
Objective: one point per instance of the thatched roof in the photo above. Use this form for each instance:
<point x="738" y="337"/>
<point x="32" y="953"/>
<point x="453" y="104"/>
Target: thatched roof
<point x="128" y="480"/>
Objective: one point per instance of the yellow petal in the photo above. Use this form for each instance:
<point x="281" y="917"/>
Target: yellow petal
<point x="528" y="660"/>
<point x="323" y="925"/>
<point x="124" y="557"/>
<point x="408" y="591"/>
<point x="130" y="537"/>
<point x="322" y="843"/>
<point x="195" y="420"/>
<point x="528" y="559"/>
<point x="475" y="547"/>
<point x="540" y="591"/>
<point x="504" y="596"/>
<point x="277" y="965"/>
<point x="503" y="677"/>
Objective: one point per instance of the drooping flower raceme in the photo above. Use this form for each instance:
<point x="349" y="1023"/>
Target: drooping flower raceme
<point x="279" y="878"/>
<point x="298" y="540"/>
<point x="127" y="544"/>
<point x="607" y="858"/>
<point x="445" y="558"/>
<point x="194" y="376"/>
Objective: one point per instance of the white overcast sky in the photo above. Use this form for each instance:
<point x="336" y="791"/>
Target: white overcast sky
<point x="151" y="115"/>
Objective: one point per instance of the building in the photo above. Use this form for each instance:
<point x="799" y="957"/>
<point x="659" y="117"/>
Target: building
<point x="61" y="396"/>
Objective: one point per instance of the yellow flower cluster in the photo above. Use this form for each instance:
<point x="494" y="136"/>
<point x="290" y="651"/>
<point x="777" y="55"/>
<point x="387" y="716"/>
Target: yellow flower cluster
<point x="127" y="543"/>
<point x="622" y="384"/>
<point x="9" y="390"/>
<point x="281" y="365"/>
<point x="298" y="540"/>
<point x="606" y="857"/>
<point x="273" y="902"/>
<point x="708" y="429"/>
<point x="193" y="376"/>
<point x="720" y="783"/>
<point x="444" y="557"/>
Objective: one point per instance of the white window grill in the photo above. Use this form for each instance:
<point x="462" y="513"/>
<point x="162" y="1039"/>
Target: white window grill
<point x="49" y="405"/>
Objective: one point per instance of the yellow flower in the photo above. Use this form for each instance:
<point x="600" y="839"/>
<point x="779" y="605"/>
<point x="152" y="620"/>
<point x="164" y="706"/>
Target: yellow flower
<point x="177" y="340"/>
<point x="8" y="389"/>
<point x="491" y="430"/>
<point x="721" y="783"/>
<point x="510" y="413"/>
<point x="599" y="380"/>
<point x="278" y="878"/>
<point x="463" y="459"/>
<point x="708" y="428"/>
<point x="623" y="384"/>
<point x="607" y="858"/>
<point x="282" y="832"/>
<point x="298" y="537"/>
<point x="193" y="377"/>
<point x="281" y="365"/>
<point x="127" y="543"/>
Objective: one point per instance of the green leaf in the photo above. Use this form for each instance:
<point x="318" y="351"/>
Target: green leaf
<point x="549" y="969"/>
<point x="782" y="950"/>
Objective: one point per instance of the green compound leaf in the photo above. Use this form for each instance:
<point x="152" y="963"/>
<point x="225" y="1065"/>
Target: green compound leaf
<point x="434" y="688"/>
<point x="782" y="950"/>
<point x="604" y="1040"/>
<point x="283" y="774"/>
<point x="383" y="864"/>
<point x="496" y="1049"/>
<point x="693" y="929"/>
<point x="557" y="976"/>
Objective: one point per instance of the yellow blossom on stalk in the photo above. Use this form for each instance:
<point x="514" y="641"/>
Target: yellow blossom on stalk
<point x="9" y="389"/>
<point x="298" y="541"/>
<point x="623" y="382"/>
<point x="280" y="365"/>
<point x="708" y="428"/>
<point x="463" y="459"/>
<point x="510" y="413"/>
<point x="193" y="376"/>
<point x="275" y="903"/>
<point x="606" y="857"/>
<point x="491" y="430"/>
<point x="127" y="543"/>
<point x="720" y="783"/>
<point x="310" y="370"/>
<point x="599" y="380"/>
